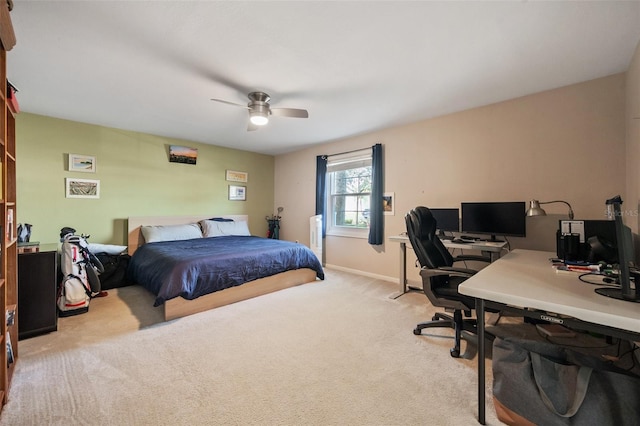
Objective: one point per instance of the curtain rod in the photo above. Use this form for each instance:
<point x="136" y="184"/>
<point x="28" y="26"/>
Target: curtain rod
<point x="346" y="152"/>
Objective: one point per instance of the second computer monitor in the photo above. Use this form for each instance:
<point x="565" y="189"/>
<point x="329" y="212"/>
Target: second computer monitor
<point x="494" y="218"/>
<point x="447" y="220"/>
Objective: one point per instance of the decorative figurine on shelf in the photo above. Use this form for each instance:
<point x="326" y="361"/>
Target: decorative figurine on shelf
<point x="274" y="225"/>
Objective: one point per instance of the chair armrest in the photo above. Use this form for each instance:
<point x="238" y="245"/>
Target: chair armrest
<point x="465" y="257"/>
<point x="447" y="270"/>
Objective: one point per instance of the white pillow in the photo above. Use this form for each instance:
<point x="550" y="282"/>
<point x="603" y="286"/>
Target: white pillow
<point x="106" y="248"/>
<point x="154" y="234"/>
<point x="213" y="228"/>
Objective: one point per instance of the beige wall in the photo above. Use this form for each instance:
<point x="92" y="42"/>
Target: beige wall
<point x="136" y="179"/>
<point x="631" y="203"/>
<point x="567" y="143"/>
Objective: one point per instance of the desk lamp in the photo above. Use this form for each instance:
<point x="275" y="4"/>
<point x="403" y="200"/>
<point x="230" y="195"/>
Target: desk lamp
<point x="536" y="210"/>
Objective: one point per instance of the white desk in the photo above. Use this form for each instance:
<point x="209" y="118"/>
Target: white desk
<point x="524" y="282"/>
<point x="493" y="249"/>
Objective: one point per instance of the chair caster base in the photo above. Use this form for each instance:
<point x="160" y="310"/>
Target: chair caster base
<point x="417" y="331"/>
<point x="455" y="353"/>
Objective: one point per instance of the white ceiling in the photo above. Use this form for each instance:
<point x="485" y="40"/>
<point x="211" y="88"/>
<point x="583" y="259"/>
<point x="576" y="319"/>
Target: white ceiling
<point x="357" y="66"/>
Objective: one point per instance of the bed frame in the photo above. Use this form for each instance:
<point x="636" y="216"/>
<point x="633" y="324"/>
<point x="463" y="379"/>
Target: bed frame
<point x="179" y="307"/>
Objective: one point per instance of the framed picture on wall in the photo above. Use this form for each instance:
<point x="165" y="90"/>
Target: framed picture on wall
<point x="82" y="188"/>
<point x="235" y="176"/>
<point x="388" y="203"/>
<point x="183" y="154"/>
<point x="82" y="163"/>
<point x="237" y="193"/>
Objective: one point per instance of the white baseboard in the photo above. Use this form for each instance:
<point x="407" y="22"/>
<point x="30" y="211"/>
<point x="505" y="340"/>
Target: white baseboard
<point x="363" y="273"/>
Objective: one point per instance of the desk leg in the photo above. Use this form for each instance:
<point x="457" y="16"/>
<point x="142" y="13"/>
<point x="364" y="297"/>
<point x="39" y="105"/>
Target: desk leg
<point x="402" y="281"/>
<point x="481" y="361"/>
<point x="493" y="256"/>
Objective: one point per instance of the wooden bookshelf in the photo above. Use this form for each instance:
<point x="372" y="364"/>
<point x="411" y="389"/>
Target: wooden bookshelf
<point x="8" y="212"/>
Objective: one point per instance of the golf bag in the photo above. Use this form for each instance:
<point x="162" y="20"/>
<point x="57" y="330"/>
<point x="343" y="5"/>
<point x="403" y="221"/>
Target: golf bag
<point x="80" y="270"/>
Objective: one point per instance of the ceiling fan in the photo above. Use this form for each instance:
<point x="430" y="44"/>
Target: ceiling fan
<point x="260" y="110"/>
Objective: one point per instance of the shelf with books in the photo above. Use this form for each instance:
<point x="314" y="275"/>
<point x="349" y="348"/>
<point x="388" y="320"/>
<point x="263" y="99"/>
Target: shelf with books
<point x="10" y="357"/>
<point x="10" y="224"/>
<point x="8" y="211"/>
<point x="10" y="315"/>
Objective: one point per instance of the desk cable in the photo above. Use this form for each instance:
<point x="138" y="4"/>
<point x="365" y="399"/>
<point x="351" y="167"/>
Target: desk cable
<point x="507" y="247"/>
<point x="605" y="281"/>
<point x="634" y="358"/>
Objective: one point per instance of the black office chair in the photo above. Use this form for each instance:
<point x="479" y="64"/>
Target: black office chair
<point x="440" y="279"/>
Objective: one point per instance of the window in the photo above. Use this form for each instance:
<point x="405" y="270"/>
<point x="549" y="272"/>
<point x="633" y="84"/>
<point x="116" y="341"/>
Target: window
<point x="349" y="194"/>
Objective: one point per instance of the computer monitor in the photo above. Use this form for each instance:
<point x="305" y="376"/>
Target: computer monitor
<point x="628" y="289"/>
<point x="601" y="241"/>
<point x="447" y="220"/>
<point x="494" y="218"/>
<point x="597" y="243"/>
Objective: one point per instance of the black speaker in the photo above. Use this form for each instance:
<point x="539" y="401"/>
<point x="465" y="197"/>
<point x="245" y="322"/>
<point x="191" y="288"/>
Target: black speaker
<point x="568" y="246"/>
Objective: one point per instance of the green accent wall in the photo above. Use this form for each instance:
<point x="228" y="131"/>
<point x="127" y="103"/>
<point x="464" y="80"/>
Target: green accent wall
<point x="136" y="179"/>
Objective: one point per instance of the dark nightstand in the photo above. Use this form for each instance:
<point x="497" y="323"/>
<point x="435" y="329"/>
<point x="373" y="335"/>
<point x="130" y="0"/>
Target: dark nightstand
<point x="37" y="290"/>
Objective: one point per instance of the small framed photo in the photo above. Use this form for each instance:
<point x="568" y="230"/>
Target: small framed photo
<point x="388" y="203"/>
<point x="82" y="188"/>
<point x="183" y="154"/>
<point x="82" y="163"/>
<point x="237" y="193"/>
<point x="235" y="176"/>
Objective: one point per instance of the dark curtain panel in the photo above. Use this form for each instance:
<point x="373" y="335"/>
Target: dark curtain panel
<point x="321" y="183"/>
<point x="376" y="225"/>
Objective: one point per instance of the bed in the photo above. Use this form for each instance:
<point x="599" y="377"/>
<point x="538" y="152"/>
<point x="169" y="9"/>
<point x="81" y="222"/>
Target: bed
<point x="186" y="274"/>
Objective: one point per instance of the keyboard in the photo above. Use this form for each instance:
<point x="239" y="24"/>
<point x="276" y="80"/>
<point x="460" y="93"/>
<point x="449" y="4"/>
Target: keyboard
<point x="462" y="241"/>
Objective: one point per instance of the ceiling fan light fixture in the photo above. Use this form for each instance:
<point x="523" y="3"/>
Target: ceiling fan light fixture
<point x="260" y="110"/>
<point x="259" y="118"/>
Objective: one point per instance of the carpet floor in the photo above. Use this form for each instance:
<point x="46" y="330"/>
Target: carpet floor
<point x="334" y="352"/>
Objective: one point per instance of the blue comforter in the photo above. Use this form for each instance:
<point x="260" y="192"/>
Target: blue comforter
<point x="192" y="268"/>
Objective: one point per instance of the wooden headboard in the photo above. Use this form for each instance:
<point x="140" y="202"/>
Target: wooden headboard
<point x="135" y="238"/>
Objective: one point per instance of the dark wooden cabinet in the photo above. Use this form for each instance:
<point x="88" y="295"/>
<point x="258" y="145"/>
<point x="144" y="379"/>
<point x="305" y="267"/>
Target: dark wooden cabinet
<point x="37" y="287"/>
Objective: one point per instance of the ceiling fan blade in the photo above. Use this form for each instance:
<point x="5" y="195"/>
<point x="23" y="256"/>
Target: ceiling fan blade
<point x="230" y="103"/>
<point x="290" y="112"/>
